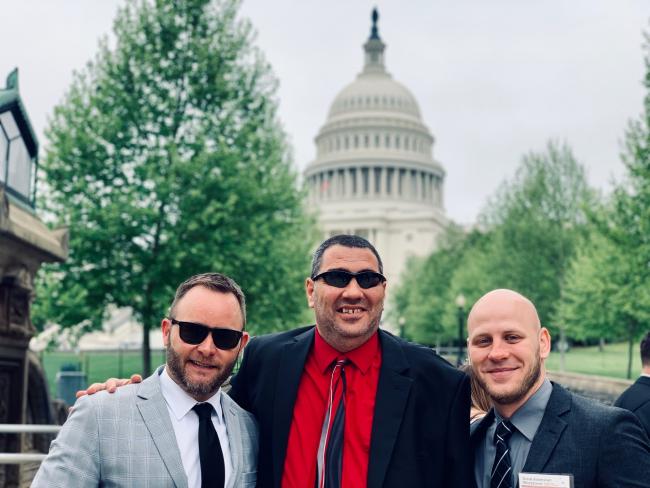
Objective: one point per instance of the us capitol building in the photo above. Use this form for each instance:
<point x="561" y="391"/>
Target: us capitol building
<point x="374" y="174"/>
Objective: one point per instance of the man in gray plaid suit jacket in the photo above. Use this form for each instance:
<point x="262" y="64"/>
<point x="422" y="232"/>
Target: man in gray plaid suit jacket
<point x="148" y="434"/>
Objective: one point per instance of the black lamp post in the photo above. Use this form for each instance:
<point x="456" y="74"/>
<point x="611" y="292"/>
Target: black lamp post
<point x="460" y="303"/>
<point x="402" y="333"/>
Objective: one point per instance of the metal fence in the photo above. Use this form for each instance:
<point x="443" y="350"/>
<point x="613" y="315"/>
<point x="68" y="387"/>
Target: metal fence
<point x="20" y="458"/>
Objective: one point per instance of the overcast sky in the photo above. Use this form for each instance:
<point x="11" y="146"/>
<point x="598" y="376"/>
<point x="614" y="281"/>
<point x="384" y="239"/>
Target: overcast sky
<point x="494" y="79"/>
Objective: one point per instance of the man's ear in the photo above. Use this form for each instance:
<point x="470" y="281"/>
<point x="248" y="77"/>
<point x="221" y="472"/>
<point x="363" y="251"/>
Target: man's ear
<point x="544" y="343"/>
<point x="309" y="290"/>
<point x="244" y="340"/>
<point x="165" y="327"/>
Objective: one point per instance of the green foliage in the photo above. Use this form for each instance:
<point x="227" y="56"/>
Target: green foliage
<point x="424" y="297"/>
<point x="537" y="221"/>
<point x="533" y="225"/>
<point x="596" y="290"/>
<point x="166" y="159"/>
<point x="627" y="225"/>
<point x="607" y="289"/>
<point x="526" y="237"/>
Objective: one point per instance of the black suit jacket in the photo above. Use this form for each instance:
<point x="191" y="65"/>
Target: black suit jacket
<point x="637" y="400"/>
<point x="420" y="430"/>
<point x="601" y="446"/>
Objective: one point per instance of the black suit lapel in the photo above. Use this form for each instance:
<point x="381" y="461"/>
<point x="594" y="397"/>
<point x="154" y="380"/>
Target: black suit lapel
<point x="292" y="363"/>
<point x="550" y="430"/>
<point x="392" y="394"/>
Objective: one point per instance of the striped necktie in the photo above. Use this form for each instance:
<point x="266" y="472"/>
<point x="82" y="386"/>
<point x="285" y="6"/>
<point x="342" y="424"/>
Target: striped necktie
<point x="501" y="476"/>
<point x="330" y="447"/>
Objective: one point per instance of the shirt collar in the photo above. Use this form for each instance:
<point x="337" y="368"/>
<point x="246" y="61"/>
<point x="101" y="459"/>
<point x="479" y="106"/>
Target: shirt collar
<point x="180" y="402"/>
<point x="528" y="417"/>
<point x="361" y="357"/>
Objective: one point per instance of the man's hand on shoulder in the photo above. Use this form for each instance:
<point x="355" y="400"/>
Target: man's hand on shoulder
<point x="111" y="385"/>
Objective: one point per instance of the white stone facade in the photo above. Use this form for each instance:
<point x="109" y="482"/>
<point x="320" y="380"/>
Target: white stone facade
<point x="374" y="174"/>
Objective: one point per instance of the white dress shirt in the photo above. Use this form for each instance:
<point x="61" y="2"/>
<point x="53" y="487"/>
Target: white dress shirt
<point x="186" y="428"/>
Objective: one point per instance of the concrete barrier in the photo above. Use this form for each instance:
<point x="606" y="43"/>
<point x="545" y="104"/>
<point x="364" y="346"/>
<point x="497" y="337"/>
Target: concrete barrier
<point x="600" y="388"/>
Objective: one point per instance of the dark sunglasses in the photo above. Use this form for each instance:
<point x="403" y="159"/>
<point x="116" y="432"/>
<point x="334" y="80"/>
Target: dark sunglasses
<point x="194" y="334"/>
<point x="341" y="278"/>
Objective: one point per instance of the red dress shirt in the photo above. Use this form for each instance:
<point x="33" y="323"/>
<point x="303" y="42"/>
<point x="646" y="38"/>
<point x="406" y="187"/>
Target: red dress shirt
<point x="362" y="376"/>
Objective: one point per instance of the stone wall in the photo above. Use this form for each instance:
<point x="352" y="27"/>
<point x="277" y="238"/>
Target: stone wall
<point x="603" y="389"/>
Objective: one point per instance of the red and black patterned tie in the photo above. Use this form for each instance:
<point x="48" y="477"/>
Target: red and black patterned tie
<point x="330" y="447"/>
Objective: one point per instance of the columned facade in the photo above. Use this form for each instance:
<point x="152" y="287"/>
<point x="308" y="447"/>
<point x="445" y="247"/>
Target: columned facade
<point x="374" y="174"/>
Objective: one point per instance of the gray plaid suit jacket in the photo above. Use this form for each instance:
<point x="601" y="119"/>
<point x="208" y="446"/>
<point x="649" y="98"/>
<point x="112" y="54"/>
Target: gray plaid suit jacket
<point x="126" y="439"/>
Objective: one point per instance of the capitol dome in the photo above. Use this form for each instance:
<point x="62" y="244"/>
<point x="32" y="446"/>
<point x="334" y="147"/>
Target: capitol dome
<point x="376" y="92"/>
<point x="374" y="173"/>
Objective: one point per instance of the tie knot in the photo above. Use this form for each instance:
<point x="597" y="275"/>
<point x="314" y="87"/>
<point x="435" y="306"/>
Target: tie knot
<point x="504" y="431"/>
<point x="203" y="410"/>
<point x="340" y="363"/>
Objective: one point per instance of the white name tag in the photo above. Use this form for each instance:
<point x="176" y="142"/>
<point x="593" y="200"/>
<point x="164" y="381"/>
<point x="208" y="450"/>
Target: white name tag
<point x="543" y="480"/>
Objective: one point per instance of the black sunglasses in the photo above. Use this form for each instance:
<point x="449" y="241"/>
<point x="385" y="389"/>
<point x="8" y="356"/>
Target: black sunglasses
<point x="341" y="278"/>
<point x="194" y="334"/>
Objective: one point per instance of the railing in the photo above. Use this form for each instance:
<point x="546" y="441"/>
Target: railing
<point x="19" y="458"/>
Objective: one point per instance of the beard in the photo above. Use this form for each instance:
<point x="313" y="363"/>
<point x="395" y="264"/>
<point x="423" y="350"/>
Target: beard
<point x="177" y="370"/>
<point x="507" y="398"/>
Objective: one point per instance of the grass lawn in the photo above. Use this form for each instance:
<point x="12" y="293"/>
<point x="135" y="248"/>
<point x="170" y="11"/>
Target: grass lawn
<point x="612" y="361"/>
<point x="98" y="366"/>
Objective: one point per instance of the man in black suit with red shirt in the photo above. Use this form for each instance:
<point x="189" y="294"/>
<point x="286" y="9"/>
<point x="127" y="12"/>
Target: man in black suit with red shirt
<point x="406" y="409"/>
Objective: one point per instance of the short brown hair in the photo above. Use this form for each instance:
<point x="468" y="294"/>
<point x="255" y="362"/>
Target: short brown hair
<point x="215" y="282"/>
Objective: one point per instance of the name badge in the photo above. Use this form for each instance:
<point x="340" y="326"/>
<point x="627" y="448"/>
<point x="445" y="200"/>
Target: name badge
<point x="543" y="480"/>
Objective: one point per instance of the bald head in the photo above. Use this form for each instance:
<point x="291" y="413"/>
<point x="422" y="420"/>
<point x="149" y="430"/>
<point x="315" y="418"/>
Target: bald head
<point x="501" y="304"/>
<point x="507" y="348"/>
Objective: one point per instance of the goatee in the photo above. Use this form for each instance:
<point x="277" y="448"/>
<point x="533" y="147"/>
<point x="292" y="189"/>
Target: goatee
<point x="177" y="371"/>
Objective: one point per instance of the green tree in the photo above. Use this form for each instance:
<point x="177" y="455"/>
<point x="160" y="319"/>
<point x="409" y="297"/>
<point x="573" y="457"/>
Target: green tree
<point x="166" y="158"/>
<point x="610" y="283"/>
<point x="601" y="299"/>
<point x="526" y="237"/>
<point x="424" y="295"/>
<point x="535" y="222"/>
